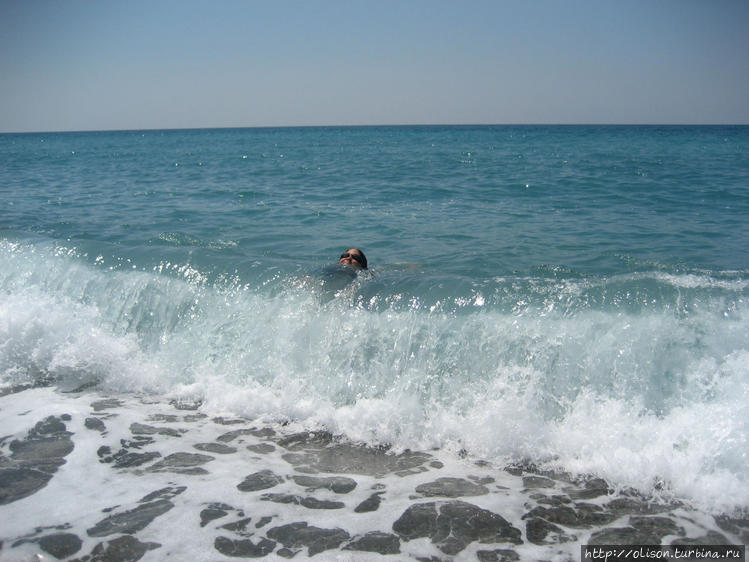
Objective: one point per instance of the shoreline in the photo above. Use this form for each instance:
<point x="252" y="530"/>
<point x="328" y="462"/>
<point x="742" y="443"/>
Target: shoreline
<point x="90" y="475"/>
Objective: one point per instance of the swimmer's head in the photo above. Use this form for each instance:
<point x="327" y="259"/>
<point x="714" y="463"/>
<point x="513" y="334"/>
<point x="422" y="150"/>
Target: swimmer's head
<point x="353" y="257"/>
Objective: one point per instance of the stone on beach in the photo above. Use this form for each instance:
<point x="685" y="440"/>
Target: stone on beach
<point x="452" y="488"/>
<point x="261" y="480"/>
<point x="300" y="534"/>
<point x="454" y="525"/>
<point x="338" y="484"/>
<point x="265" y="494"/>
<point x="34" y="459"/>
<point x="130" y="521"/>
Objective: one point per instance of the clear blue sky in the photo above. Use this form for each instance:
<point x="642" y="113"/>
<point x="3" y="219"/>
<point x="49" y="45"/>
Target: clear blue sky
<point x="131" y="64"/>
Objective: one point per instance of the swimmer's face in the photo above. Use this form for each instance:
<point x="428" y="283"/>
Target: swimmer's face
<point x="349" y="258"/>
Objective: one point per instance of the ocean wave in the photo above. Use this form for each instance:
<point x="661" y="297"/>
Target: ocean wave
<point x="647" y="391"/>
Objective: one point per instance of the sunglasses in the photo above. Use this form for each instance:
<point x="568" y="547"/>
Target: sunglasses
<point x="356" y="257"/>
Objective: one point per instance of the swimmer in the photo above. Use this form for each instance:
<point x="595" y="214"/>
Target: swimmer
<point x="353" y="257"/>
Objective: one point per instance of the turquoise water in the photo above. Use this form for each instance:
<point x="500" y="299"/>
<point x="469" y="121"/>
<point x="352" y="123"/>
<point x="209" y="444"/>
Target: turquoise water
<point x="524" y="282"/>
<point x="473" y="201"/>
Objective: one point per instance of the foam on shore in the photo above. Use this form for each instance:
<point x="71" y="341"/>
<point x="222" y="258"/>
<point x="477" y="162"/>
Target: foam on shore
<point x="98" y="473"/>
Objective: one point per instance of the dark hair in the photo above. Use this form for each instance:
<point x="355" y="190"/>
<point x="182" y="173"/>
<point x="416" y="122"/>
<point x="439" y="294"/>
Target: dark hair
<point x="364" y="263"/>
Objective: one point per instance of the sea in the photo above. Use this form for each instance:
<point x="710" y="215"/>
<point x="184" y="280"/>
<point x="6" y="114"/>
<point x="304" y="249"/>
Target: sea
<point x="569" y="298"/>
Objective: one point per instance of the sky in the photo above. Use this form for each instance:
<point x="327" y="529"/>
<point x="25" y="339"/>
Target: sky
<point x="151" y="64"/>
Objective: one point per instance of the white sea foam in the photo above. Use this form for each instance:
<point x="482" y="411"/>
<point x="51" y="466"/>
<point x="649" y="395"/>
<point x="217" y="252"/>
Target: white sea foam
<point x="653" y="399"/>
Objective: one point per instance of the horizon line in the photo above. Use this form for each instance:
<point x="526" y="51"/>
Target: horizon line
<point x="373" y="125"/>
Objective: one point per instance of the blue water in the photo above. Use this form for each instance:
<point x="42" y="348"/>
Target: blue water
<point x="570" y="295"/>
